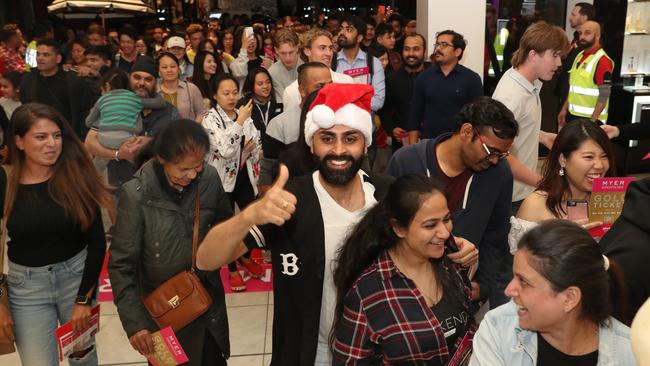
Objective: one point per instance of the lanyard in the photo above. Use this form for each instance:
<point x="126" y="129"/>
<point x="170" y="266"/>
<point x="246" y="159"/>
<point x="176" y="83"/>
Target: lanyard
<point x="265" y="116"/>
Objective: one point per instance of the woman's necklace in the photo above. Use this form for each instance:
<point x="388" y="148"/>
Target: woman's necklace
<point x="428" y="288"/>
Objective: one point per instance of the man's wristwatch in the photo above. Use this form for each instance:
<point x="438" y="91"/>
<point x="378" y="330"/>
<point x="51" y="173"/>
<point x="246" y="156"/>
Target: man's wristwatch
<point x="82" y="300"/>
<point x="117" y="158"/>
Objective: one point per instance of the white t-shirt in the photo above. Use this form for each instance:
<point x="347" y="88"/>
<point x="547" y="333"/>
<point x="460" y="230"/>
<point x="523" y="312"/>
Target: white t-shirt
<point x="337" y="223"/>
<point x="522" y="98"/>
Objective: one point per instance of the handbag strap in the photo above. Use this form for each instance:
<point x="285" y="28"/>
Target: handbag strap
<point x="195" y="233"/>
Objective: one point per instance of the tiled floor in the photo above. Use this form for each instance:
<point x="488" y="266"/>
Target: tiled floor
<point x="250" y="316"/>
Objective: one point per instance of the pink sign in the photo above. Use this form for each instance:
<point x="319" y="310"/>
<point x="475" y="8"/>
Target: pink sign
<point x="168" y="350"/>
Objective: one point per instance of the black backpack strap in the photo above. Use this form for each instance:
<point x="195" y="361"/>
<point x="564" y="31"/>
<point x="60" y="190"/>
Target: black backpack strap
<point x="371" y="67"/>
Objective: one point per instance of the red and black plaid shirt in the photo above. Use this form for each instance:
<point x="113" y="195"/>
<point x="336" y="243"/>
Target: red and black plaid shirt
<point x="386" y="320"/>
<point x="12" y="60"/>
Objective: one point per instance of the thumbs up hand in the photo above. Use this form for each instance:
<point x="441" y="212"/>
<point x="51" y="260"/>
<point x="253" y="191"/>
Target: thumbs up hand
<point x="277" y="205"/>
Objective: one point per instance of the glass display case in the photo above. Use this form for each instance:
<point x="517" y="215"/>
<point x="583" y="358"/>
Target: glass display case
<point x="636" y="42"/>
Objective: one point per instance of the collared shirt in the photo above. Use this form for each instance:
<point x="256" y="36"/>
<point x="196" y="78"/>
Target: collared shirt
<point x="437" y="98"/>
<point x="12" y="60"/>
<point x="385" y="317"/>
<point x="522" y="98"/>
<point x="358" y="70"/>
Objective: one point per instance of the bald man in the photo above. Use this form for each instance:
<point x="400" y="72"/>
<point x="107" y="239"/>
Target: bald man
<point x="590" y="79"/>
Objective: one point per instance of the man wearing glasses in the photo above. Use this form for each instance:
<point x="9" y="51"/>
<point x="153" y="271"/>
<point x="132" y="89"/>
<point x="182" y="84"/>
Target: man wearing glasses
<point x="441" y="90"/>
<point x="471" y="164"/>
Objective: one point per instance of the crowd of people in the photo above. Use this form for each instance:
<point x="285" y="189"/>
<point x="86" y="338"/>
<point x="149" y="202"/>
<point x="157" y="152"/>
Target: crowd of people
<point x="394" y="200"/>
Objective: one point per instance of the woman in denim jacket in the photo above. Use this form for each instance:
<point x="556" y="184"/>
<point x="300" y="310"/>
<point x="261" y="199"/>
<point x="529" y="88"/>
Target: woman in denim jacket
<point x="563" y="292"/>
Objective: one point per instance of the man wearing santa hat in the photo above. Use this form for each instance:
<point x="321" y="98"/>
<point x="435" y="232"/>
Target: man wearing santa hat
<point x="304" y="243"/>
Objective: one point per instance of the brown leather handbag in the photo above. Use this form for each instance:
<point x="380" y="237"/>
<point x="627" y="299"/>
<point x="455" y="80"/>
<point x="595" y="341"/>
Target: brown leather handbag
<point x="181" y="299"/>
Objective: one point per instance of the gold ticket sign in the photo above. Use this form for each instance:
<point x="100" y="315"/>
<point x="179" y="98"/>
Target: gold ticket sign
<point x="168" y="351"/>
<point x="606" y="201"/>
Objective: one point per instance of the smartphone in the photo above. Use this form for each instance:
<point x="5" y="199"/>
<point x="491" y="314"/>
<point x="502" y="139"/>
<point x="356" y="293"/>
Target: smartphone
<point x="248" y="31"/>
<point x="450" y="244"/>
<point x="577" y="209"/>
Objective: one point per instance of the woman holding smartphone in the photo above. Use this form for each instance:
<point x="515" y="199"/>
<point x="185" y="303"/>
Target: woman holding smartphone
<point x="581" y="153"/>
<point x="235" y="148"/>
<point x="399" y="298"/>
<point x="258" y="86"/>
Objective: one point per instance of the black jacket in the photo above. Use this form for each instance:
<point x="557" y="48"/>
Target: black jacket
<point x="298" y="294"/>
<point x="628" y="244"/>
<point x="483" y="218"/>
<point x="81" y="93"/>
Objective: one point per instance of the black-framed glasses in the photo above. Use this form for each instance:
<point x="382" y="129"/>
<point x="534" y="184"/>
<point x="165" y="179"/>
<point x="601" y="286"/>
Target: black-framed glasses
<point x="442" y="45"/>
<point x="490" y="154"/>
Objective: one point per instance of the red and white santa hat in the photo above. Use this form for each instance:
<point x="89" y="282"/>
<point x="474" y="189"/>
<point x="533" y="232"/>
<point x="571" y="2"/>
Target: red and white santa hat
<point x="341" y="104"/>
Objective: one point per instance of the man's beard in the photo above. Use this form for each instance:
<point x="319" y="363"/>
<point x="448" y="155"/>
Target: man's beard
<point x="339" y="176"/>
<point x="415" y="63"/>
<point x="345" y="43"/>
<point x="585" y="44"/>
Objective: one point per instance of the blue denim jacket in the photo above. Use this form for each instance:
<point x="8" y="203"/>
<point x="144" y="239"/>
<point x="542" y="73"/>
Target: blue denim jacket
<point x="500" y="341"/>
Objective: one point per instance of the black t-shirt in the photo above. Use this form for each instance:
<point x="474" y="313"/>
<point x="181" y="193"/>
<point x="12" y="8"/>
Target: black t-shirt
<point x="125" y="65"/>
<point x="42" y="234"/>
<point x="549" y="356"/>
<point x="53" y="91"/>
<point x="453" y="319"/>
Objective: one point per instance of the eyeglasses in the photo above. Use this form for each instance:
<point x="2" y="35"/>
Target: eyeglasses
<point x="490" y="154"/>
<point x="442" y="45"/>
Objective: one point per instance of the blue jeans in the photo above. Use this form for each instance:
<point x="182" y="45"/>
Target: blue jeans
<point x="42" y="298"/>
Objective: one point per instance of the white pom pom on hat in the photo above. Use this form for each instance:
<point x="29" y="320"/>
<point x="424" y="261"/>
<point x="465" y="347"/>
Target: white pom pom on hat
<point x="323" y="116"/>
<point x="341" y="104"/>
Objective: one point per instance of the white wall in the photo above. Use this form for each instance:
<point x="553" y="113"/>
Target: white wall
<point x="569" y="6"/>
<point x="466" y="17"/>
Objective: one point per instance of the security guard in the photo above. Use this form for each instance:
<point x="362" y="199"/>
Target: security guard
<point x="589" y="79"/>
<point x="499" y="46"/>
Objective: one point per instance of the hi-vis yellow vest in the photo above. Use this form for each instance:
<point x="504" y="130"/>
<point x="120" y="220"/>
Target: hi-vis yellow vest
<point x="499" y="45"/>
<point x="583" y="92"/>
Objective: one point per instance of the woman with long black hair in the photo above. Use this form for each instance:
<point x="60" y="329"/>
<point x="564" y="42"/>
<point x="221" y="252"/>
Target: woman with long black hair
<point x="258" y="86"/>
<point x="399" y="298"/>
<point x="206" y="69"/>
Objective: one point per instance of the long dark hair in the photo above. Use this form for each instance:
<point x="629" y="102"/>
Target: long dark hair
<point x="374" y="234"/>
<point x="249" y="83"/>
<point x="570" y="138"/>
<point x="207" y="87"/>
<point x="222" y="35"/>
<point x="74" y="184"/>
<point x="566" y="255"/>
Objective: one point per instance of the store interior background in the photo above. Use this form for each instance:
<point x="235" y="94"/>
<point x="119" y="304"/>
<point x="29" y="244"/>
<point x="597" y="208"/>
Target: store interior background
<point x="626" y="39"/>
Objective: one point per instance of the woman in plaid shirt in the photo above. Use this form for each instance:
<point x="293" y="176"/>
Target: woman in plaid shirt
<point x="400" y="300"/>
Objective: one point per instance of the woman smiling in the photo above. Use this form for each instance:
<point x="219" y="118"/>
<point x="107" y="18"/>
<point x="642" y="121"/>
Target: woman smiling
<point x="563" y="292"/>
<point x="581" y="153"/>
<point x="183" y="95"/>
